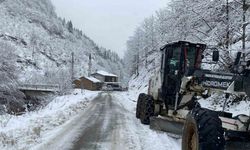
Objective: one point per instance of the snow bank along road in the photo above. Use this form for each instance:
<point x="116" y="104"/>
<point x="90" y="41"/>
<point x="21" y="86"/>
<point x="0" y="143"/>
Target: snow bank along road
<point x="109" y="123"/>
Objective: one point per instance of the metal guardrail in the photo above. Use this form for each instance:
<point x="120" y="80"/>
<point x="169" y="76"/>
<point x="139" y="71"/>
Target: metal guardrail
<point x="52" y="88"/>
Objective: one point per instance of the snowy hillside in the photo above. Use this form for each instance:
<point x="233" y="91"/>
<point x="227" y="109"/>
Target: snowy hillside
<point x="187" y="20"/>
<point x="43" y="43"/>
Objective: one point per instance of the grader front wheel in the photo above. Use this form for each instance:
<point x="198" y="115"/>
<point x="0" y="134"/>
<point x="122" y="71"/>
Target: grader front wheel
<point x="147" y="109"/>
<point x="203" y="131"/>
<point x="141" y="98"/>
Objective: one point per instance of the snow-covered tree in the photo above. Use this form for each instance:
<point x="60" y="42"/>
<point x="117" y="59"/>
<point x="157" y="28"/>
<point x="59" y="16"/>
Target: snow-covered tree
<point x="11" y="99"/>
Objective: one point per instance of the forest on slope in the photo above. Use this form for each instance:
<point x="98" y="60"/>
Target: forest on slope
<point x="37" y="46"/>
<point x="213" y="22"/>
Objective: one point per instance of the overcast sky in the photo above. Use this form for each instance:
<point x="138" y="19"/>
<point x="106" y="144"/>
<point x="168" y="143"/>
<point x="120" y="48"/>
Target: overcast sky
<point x="108" y="22"/>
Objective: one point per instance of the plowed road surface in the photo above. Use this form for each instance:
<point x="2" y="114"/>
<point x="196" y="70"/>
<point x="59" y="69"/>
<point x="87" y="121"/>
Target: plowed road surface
<point x="109" y="123"/>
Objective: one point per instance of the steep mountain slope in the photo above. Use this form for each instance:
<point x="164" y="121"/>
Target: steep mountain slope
<point x="44" y="43"/>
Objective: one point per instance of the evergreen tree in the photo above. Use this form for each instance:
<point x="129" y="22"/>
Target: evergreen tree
<point x="70" y="27"/>
<point x="64" y="22"/>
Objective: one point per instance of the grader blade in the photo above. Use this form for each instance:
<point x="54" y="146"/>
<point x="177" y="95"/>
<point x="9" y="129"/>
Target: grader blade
<point x="166" y="125"/>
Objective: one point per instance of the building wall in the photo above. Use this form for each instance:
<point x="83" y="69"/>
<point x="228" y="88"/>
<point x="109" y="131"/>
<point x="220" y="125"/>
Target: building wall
<point x="111" y="79"/>
<point x="77" y="84"/>
<point x="84" y="83"/>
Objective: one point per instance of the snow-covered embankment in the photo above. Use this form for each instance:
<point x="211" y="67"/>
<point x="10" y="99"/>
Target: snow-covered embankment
<point x="33" y="128"/>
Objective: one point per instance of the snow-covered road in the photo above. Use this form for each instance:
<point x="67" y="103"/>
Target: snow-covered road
<point x="109" y="123"/>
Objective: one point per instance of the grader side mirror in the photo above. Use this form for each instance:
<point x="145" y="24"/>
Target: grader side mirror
<point x="237" y="59"/>
<point x="202" y="56"/>
<point x="216" y="55"/>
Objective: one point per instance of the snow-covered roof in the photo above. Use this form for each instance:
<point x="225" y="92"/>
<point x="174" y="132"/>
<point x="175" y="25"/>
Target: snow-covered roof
<point x="104" y="73"/>
<point x="93" y="79"/>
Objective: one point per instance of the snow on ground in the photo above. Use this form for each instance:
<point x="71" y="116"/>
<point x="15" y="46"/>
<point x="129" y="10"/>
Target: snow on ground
<point x="216" y="102"/>
<point x="143" y="137"/>
<point x="148" y="138"/>
<point x="25" y="131"/>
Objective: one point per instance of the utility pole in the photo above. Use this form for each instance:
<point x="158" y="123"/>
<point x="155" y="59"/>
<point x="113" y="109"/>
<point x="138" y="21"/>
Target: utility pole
<point x="245" y="8"/>
<point x="227" y="36"/>
<point x="72" y="67"/>
<point x="146" y="58"/>
<point x="138" y="53"/>
<point x="138" y="60"/>
<point x="90" y="65"/>
<point x="120" y="75"/>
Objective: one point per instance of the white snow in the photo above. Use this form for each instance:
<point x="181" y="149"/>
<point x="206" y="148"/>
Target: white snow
<point x="141" y="136"/>
<point x="33" y="128"/>
<point x="216" y="102"/>
<point x="93" y="79"/>
<point x="104" y="73"/>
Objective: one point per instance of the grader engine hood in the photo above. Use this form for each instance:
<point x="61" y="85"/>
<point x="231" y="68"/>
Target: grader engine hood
<point x="218" y="81"/>
<point x="215" y="80"/>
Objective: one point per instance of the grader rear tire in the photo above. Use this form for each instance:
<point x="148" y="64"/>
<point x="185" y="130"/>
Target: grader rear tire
<point x="138" y="105"/>
<point x="147" y="109"/>
<point x="203" y="131"/>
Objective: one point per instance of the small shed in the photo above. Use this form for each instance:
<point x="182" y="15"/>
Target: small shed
<point x="104" y="76"/>
<point x="89" y="83"/>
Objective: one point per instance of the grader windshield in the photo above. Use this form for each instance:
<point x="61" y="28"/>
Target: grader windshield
<point x="183" y="57"/>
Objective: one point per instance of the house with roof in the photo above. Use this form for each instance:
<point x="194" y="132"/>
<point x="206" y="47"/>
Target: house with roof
<point x="89" y="83"/>
<point x="97" y="80"/>
<point x="108" y="80"/>
<point x="105" y="77"/>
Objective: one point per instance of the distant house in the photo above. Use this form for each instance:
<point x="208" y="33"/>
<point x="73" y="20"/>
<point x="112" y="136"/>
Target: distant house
<point x="104" y="76"/>
<point x="89" y="83"/>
